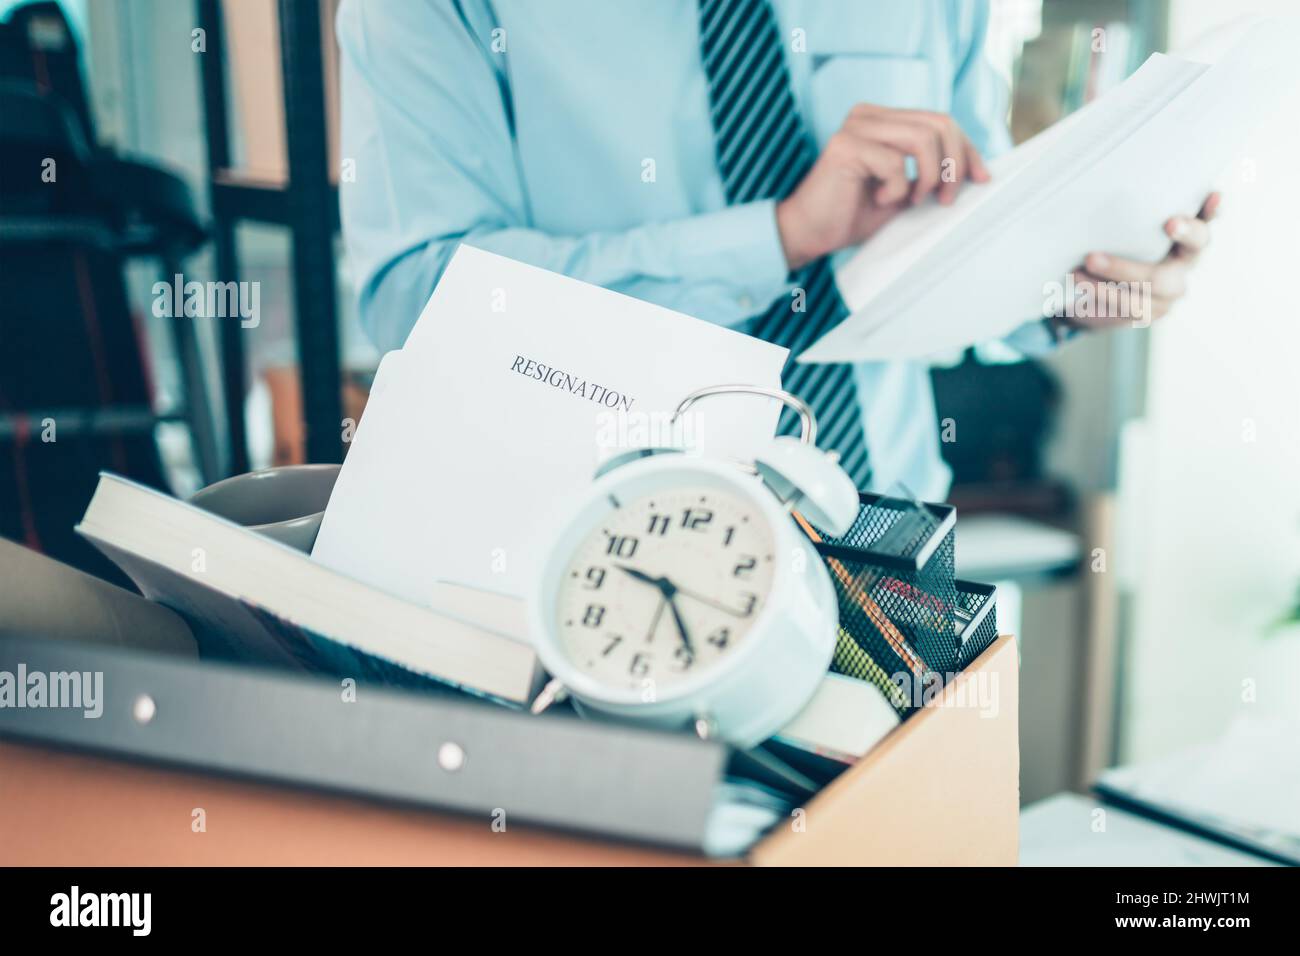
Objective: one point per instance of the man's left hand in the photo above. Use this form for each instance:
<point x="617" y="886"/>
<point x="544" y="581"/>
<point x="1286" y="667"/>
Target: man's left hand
<point x="1163" y="283"/>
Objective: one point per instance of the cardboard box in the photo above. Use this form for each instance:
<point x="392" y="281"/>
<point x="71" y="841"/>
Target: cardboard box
<point x="943" y="789"/>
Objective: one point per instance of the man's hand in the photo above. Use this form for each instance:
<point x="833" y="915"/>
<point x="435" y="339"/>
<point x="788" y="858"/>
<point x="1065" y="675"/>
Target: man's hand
<point x="859" y="182"/>
<point x="1158" y="284"/>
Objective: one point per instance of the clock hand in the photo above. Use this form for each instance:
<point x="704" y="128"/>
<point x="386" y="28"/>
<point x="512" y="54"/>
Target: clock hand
<point x="681" y="626"/>
<point x="668" y="589"/>
<point x="641" y="576"/>
<point x="654" y="624"/>
<point x="710" y="602"/>
<point x="665" y="599"/>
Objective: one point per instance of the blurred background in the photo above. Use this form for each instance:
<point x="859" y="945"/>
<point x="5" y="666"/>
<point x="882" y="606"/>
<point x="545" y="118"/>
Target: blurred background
<point x="1136" y="496"/>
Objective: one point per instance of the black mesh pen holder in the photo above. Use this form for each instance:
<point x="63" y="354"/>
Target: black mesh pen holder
<point x="893" y="573"/>
<point x="976" y="622"/>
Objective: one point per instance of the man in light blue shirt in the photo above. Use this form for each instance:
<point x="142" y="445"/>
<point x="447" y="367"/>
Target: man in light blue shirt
<point x="579" y="136"/>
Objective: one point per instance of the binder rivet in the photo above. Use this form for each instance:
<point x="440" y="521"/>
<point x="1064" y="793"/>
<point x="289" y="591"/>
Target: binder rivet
<point x="451" y="757"/>
<point x="143" y="709"/>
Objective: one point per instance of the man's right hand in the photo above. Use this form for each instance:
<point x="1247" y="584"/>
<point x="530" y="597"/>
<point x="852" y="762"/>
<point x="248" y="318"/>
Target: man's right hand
<point x="860" y="182"/>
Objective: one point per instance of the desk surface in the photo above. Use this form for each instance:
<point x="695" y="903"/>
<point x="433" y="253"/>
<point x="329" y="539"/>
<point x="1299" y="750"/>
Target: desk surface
<point x="1062" y="831"/>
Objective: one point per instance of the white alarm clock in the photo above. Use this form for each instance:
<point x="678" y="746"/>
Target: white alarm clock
<point x="681" y="593"/>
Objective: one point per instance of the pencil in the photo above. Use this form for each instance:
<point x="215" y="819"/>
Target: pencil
<point x="892" y="635"/>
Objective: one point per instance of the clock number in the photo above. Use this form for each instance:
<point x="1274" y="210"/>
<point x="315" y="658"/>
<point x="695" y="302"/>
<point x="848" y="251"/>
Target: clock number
<point x="747" y="564"/>
<point x="594" y="615"/>
<point x="596" y="577"/>
<point x="750" y="601"/>
<point x="614" y="641"/>
<point x="696" y="520"/>
<point x="685" y="658"/>
<point x="726" y="538"/>
<point x="658" y="525"/>
<point x="621" y="546"/>
<point x="720" y="637"/>
<point x="640" y="665"/>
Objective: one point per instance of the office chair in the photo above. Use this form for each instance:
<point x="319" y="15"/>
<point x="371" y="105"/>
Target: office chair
<point x="76" y="394"/>
<point x="1004" y="414"/>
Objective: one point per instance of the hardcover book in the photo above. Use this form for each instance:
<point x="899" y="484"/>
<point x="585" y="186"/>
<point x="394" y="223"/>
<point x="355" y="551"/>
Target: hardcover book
<point x="247" y="597"/>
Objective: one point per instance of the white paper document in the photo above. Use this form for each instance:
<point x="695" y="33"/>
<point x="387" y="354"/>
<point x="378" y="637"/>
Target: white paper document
<point x="1104" y="179"/>
<point x="514" y="384"/>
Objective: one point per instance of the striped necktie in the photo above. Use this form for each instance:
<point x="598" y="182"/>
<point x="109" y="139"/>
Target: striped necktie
<point x="763" y="151"/>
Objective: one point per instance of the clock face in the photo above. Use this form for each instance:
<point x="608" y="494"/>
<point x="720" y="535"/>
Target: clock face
<point x="664" y="587"/>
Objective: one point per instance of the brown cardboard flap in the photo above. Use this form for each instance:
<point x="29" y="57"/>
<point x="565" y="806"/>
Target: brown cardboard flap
<point x="941" y="790"/>
<point x="70" y="809"/>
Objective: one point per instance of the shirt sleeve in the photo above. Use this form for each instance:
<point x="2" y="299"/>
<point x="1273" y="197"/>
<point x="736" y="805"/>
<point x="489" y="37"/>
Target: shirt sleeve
<point x="980" y="99"/>
<point x="425" y="129"/>
<point x="1032" y="339"/>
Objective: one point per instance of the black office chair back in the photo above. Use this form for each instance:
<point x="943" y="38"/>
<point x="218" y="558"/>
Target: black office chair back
<point x="37" y="47"/>
<point x="75" y="390"/>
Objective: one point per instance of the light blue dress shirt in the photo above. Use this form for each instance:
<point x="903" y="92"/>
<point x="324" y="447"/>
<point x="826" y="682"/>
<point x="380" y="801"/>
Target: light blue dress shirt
<point x="575" y="135"/>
